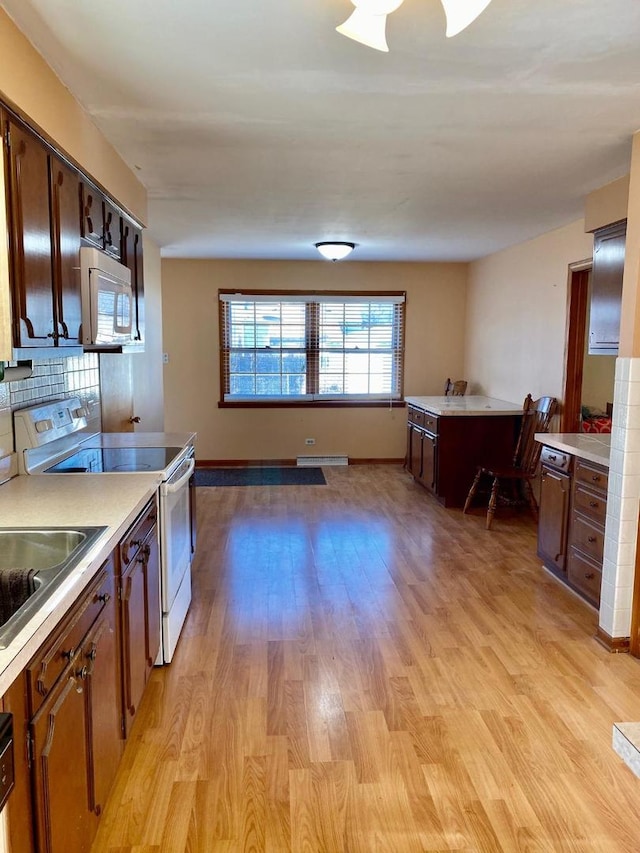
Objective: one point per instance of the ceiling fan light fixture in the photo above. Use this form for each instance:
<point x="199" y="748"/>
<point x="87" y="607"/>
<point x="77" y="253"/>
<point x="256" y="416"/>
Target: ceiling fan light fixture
<point x="334" y="250"/>
<point x="367" y="23"/>
<point x="461" y="13"/>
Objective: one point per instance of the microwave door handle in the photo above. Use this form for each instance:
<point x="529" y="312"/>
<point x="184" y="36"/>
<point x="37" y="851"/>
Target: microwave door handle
<point x="170" y="488"/>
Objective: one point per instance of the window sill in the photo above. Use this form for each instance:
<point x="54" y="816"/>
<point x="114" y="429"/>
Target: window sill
<point x="312" y="404"/>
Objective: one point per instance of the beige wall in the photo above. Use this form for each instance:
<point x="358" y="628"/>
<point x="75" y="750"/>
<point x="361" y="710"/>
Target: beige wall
<point x="607" y="204"/>
<point x="436" y="295"/>
<point x="148" y="396"/>
<point x="29" y="83"/>
<point x="516" y="315"/>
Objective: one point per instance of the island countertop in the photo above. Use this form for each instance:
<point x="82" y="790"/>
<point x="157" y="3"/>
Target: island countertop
<point x="472" y="405"/>
<point x="594" y="447"/>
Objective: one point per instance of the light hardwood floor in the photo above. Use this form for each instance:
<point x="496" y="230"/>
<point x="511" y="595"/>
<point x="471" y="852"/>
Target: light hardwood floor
<point x="363" y="671"/>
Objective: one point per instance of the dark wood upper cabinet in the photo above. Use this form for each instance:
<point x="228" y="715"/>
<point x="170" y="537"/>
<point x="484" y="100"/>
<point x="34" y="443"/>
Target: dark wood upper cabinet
<point x="44" y="242"/>
<point x="112" y="230"/>
<point x="66" y="252"/>
<point x="606" y="289"/>
<point x="30" y="238"/>
<point x="53" y="210"/>
<point x="132" y="258"/>
<point x="91" y="216"/>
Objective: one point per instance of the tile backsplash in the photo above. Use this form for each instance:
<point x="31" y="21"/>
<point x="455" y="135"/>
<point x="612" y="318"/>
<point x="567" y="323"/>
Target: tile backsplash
<point x="50" y="380"/>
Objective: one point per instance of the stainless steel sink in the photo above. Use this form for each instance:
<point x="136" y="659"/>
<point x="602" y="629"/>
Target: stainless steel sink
<point x="48" y="555"/>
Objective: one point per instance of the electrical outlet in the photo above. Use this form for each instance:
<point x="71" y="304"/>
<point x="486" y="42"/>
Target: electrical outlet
<point x="309" y="441"/>
<point x="165" y="358"/>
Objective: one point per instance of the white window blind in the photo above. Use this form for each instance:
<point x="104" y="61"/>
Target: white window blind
<point x="311" y="347"/>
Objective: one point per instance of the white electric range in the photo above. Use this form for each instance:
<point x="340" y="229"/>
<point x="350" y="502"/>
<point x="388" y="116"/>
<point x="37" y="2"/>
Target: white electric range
<point x="54" y="438"/>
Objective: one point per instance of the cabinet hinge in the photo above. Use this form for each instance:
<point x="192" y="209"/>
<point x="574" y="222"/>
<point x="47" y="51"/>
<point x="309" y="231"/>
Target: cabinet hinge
<point x="29" y="750"/>
<point x="7" y="136"/>
<point x="123" y="725"/>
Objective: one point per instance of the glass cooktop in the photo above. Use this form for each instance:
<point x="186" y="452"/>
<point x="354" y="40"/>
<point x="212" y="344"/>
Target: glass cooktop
<point x="113" y="460"/>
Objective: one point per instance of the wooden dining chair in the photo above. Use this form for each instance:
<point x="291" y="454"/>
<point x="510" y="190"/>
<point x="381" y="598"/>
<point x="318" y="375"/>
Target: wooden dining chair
<point x="455" y="388"/>
<point x="536" y="417"/>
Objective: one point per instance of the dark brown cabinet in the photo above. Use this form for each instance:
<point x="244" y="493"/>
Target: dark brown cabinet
<point x="421" y="448"/>
<point x="68" y="709"/>
<point x="66" y="254"/>
<point x="573" y="506"/>
<point x="91" y="216"/>
<point x="586" y="534"/>
<point x="53" y="210"/>
<point x="443" y="451"/>
<point x="75" y="701"/>
<point x="555" y="497"/>
<point x="139" y="595"/>
<point x="112" y="230"/>
<point x="606" y="289"/>
<point x="60" y="761"/>
<point x="132" y="258"/>
<point x="44" y="243"/>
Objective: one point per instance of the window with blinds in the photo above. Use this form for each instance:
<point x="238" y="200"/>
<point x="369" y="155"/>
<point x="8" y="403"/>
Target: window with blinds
<point x="320" y="347"/>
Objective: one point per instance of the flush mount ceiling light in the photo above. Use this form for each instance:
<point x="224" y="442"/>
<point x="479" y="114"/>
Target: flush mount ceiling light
<point x="367" y="24"/>
<point x="334" y="251"/>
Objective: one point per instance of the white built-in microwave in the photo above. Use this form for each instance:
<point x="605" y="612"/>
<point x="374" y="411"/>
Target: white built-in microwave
<point x="107" y="301"/>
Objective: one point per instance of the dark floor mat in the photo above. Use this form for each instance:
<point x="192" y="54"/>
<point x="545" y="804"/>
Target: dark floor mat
<point x="260" y="477"/>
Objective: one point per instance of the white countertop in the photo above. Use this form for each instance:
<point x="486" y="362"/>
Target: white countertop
<point x="471" y="405"/>
<point x="57" y="500"/>
<point x="594" y="447"/>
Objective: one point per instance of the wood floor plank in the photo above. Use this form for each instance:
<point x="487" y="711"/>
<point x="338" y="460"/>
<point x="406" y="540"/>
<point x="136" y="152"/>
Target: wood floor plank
<point x="363" y="671"/>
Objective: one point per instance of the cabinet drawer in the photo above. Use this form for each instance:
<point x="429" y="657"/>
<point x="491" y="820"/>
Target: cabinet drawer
<point x="590" y="503"/>
<point x="555" y="458"/>
<point x="588" y="537"/>
<point x="431" y="423"/>
<point x="56" y="655"/>
<point x="416" y="416"/>
<point x="585" y="575"/>
<point x="138" y="532"/>
<point x="591" y="475"/>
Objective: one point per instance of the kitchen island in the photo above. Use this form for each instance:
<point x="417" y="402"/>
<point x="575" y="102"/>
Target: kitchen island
<point x="448" y="437"/>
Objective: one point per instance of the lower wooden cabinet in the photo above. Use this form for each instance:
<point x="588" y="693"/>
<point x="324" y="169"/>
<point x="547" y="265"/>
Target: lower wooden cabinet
<point x="67" y="732"/>
<point x="139" y="585"/>
<point x="60" y="766"/>
<point x="421" y="456"/>
<point x="443" y="451"/>
<point x="553" y="523"/>
<point x="573" y="505"/>
<point x="75" y="702"/>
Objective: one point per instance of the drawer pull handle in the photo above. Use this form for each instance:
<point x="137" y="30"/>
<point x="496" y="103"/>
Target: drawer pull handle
<point x="69" y="653"/>
<point x="593" y="504"/>
<point x="82" y="673"/>
<point x="596" y="478"/>
<point x="591" y="538"/>
<point x="589" y="576"/>
<point x="552" y="456"/>
<point x="92" y="655"/>
<point x="104" y="598"/>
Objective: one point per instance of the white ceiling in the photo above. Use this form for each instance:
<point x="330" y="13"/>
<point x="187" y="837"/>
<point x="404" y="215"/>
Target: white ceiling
<point x="258" y="130"/>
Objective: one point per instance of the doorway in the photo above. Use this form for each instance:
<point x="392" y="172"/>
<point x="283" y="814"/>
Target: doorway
<point x="577" y="312"/>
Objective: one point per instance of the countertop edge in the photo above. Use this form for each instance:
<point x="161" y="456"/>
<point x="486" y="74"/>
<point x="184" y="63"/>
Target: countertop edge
<point x="472" y="406"/>
<point x="586" y="446"/>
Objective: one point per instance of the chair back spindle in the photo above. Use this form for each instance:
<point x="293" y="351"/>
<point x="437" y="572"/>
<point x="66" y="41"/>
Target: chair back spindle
<point x="536" y="417"/>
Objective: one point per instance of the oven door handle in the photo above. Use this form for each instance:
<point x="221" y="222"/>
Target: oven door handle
<point x="171" y="487"/>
